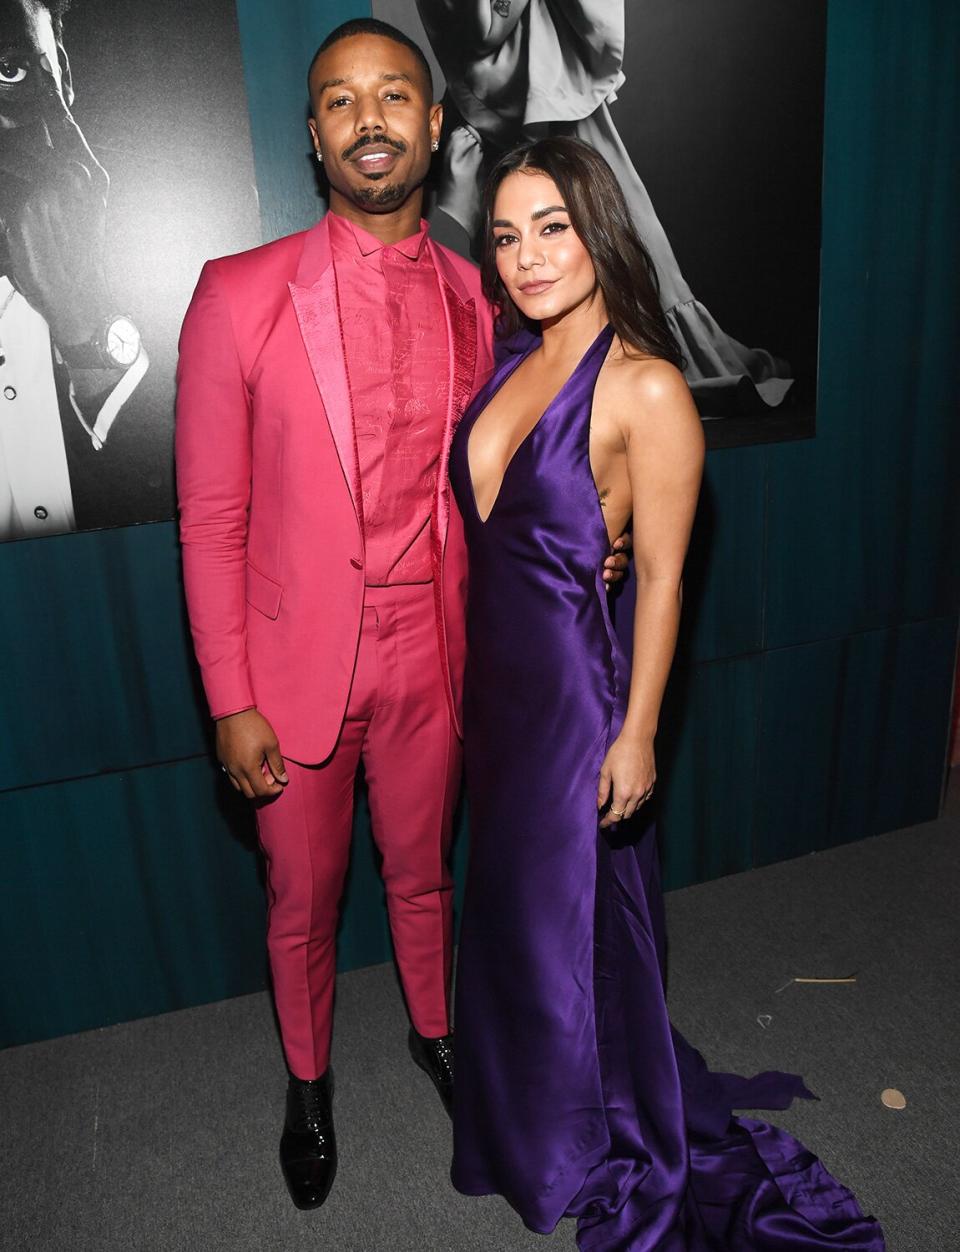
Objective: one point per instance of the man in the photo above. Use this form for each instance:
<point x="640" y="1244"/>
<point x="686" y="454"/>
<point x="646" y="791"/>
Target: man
<point x="321" y="378"/>
<point x="69" y="361"/>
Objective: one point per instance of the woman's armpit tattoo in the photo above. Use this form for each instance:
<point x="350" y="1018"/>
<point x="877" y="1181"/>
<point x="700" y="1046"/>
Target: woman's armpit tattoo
<point x="501" y="8"/>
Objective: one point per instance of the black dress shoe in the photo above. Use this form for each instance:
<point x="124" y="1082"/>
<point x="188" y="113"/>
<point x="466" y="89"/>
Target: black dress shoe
<point x="435" y="1058"/>
<point x="308" y="1146"/>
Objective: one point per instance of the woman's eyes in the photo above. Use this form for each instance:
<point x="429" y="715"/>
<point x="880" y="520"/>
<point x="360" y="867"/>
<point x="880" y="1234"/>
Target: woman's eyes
<point x="551" y="228"/>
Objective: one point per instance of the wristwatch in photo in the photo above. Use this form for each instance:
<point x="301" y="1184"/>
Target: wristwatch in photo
<point x="116" y="345"/>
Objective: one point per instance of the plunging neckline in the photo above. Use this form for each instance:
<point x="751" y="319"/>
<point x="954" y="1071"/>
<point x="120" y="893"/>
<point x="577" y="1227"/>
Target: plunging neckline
<point x="490" y="398"/>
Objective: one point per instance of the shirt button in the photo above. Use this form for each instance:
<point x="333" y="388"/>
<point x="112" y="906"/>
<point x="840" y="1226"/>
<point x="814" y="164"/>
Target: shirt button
<point x="10" y="393"/>
<point x="356" y="562"/>
<point x="40" y="513"/>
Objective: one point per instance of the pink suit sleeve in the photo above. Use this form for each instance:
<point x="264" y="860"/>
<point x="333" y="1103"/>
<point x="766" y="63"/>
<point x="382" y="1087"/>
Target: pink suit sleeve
<point x="213" y="457"/>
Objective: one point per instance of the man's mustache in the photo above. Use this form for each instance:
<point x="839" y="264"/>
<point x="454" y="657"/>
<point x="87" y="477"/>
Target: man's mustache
<point x="373" y="141"/>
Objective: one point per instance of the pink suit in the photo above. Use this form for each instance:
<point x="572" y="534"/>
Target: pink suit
<point x="274" y="551"/>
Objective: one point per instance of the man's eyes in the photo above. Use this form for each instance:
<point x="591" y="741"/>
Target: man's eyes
<point x="338" y="101"/>
<point x="11" y="72"/>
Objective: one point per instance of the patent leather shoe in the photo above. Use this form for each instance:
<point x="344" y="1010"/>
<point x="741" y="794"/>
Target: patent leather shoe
<point x="435" y="1058"/>
<point x="308" y="1146"/>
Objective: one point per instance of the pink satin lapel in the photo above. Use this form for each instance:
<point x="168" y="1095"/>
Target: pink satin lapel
<point x="319" y="319"/>
<point x="461" y="316"/>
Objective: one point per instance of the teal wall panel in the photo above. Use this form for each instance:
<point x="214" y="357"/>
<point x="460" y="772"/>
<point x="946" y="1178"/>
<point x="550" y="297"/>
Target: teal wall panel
<point x="706" y="762"/>
<point x="723" y="581"/>
<point x="125" y="895"/>
<point x="97" y="668"/>
<point x="863" y="521"/>
<point x="853" y="734"/>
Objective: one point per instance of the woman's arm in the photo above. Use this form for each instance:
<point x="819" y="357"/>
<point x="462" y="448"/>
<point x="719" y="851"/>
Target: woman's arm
<point x="664" y="444"/>
<point x="487" y="23"/>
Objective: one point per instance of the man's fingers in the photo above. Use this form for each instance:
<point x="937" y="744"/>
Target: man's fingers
<point x="615" y="568"/>
<point x="243" y="783"/>
<point x="275" y="764"/>
<point x="258" y="785"/>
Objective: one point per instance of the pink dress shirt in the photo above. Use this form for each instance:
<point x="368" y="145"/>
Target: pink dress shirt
<point x="395" y="346"/>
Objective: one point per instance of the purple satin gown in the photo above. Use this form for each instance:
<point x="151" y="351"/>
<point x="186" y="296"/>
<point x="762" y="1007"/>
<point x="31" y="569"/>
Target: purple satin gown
<point x="574" y="1096"/>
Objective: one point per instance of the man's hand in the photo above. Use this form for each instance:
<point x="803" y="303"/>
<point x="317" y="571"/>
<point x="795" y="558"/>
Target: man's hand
<point x="616" y="565"/>
<point x="55" y="228"/>
<point x="248" y="750"/>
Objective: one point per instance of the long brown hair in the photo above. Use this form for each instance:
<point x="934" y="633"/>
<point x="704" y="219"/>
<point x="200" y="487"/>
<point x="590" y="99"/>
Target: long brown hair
<point x="599" y="214"/>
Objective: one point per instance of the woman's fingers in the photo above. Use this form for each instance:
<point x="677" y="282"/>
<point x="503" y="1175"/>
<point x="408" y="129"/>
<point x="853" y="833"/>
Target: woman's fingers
<point x="603" y="792"/>
<point x="625" y="803"/>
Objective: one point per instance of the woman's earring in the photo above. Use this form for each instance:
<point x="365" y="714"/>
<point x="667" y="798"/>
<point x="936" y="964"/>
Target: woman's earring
<point x="319" y="156"/>
<point x="435" y="145"/>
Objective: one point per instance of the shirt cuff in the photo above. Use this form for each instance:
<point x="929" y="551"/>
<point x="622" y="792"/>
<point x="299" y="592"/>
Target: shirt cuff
<point x="114" y="402"/>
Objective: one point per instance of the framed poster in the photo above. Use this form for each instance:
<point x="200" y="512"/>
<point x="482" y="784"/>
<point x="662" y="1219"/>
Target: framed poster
<point x="711" y="114"/>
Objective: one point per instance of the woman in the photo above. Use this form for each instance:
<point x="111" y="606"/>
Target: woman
<point x="573" y="1096"/>
<point x="519" y="70"/>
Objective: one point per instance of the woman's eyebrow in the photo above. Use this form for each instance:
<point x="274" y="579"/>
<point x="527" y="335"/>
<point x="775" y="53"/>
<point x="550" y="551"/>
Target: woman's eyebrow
<point x="535" y="216"/>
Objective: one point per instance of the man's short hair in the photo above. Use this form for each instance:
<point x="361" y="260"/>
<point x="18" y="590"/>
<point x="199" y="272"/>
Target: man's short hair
<point x="370" y="26"/>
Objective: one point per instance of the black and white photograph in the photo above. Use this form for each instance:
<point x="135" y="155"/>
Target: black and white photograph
<point x="125" y="161"/>
<point x="711" y="116"/>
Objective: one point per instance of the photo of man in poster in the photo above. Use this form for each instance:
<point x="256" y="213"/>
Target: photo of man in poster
<point x="114" y="187"/>
<point x="70" y="360"/>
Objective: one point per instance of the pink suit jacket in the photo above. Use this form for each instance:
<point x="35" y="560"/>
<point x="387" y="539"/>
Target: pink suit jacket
<point x="271" y="517"/>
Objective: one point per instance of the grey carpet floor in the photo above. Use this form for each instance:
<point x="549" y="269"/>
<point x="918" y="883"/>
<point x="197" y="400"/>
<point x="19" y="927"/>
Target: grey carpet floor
<point x="161" y="1134"/>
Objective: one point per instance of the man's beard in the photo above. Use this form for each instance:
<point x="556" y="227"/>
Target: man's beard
<point x="381" y="197"/>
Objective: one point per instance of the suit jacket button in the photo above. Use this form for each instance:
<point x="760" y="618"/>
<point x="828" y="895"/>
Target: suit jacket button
<point x="10" y="393"/>
<point x="356" y="562"/>
<point x="40" y="513"/>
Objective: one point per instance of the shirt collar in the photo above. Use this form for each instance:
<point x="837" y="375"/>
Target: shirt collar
<point x="345" y="235"/>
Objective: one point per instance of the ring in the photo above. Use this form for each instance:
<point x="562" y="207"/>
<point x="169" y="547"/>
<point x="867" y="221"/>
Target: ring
<point x="617" y="812"/>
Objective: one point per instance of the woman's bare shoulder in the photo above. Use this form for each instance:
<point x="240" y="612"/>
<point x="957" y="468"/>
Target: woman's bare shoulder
<point x="650" y="396"/>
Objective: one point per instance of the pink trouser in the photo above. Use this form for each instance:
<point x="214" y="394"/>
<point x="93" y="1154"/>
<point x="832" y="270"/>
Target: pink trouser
<point x="398" y="723"/>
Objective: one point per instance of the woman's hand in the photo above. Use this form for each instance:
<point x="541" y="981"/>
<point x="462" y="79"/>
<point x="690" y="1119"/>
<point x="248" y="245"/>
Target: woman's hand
<point x="627" y="776"/>
<point x="459" y="193"/>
